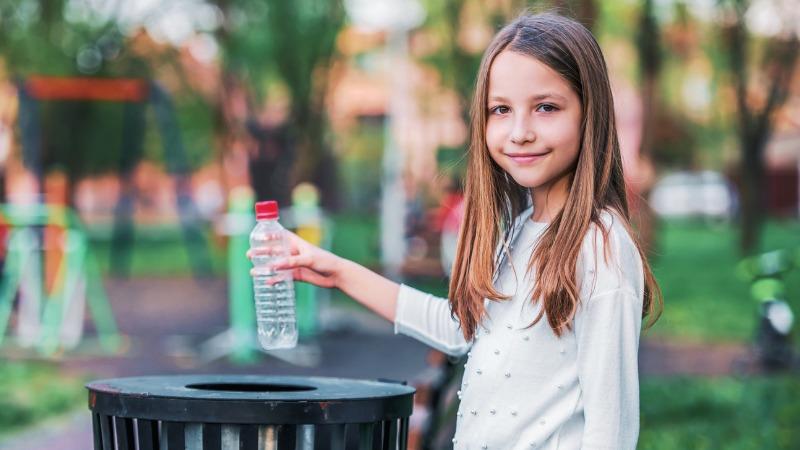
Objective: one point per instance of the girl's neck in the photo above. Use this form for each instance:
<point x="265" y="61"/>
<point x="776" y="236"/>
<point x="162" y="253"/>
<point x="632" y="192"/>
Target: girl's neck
<point x="548" y="200"/>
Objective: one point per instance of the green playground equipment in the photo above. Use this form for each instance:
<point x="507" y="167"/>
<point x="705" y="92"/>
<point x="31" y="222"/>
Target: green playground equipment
<point x="240" y="221"/>
<point x="309" y="223"/>
<point x="766" y="273"/>
<point x="52" y="321"/>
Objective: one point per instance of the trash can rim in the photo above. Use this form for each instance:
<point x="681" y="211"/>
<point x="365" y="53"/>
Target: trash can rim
<point x="166" y="398"/>
<point x="179" y="387"/>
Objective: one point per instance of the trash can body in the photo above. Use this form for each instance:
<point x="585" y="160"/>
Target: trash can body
<point x="210" y="412"/>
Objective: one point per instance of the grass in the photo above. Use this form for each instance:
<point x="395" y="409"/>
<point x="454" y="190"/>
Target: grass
<point x="704" y="298"/>
<point x="159" y="252"/>
<point x="30" y="392"/>
<point x="162" y="252"/>
<point x="724" y="413"/>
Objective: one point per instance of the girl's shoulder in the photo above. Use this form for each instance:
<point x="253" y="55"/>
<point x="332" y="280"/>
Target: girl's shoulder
<point x="609" y="258"/>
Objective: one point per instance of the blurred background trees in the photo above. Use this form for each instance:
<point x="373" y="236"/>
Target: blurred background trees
<point x="772" y="63"/>
<point x="291" y="44"/>
<point x="265" y="98"/>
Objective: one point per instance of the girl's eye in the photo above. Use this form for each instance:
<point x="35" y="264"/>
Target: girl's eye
<point x="499" y="110"/>
<point x="547" y="108"/>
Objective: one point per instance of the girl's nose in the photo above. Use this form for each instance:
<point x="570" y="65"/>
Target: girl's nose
<point x="522" y="132"/>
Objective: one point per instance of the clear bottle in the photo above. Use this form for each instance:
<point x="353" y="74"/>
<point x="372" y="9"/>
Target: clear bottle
<point x="274" y="290"/>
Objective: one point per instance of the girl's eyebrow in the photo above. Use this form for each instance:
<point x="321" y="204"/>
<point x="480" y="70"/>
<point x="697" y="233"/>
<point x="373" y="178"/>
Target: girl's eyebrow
<point x="535" y="98"/>
<point x="547" y="95"/>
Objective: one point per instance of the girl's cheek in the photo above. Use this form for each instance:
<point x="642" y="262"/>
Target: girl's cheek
<point x="571" y="128"/>
<point x="495" y="134"/>
<point x="562" y="134"/>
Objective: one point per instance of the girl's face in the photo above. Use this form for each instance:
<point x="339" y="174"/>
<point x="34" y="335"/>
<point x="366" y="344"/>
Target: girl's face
<point x="533" y="130"/>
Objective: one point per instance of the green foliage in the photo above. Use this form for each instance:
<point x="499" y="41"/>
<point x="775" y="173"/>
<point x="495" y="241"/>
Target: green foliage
<point x="34" y="37"/>
<point x="445" y="19"/>
<point x="457" y="66"/>
<point x="195" y="121"/>
<point x="359" y="166"/>
<point x="84" y="138"/>
<point x="721" y="413"/>
<point x="303" y="41"/>
<point x="30" y="392"/>
<point x="292" y="43"/>
<point x="245" y="38"/>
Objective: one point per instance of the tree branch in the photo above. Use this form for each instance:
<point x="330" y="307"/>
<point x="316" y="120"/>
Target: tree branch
<point x="785" y="60"/>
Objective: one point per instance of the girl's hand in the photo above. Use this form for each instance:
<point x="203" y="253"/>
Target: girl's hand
<point x="307" y="262"/>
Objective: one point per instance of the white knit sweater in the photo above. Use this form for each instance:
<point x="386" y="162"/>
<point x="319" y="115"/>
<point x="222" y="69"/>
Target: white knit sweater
<point x="525" y="388"/>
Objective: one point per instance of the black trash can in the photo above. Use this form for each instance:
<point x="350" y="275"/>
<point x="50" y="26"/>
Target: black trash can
<point x="221" y="412"/>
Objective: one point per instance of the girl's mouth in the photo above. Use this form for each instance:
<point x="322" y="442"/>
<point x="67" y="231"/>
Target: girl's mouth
<point x="526" y="158"/>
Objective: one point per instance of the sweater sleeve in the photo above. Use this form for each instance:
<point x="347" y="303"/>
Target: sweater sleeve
<point x="607" y="334"/>
<point x="429" y="320"/>
<point x="607" y="329"/>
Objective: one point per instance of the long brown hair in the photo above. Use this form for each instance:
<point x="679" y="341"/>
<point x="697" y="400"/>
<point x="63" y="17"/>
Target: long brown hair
<point x="493" y="199"/>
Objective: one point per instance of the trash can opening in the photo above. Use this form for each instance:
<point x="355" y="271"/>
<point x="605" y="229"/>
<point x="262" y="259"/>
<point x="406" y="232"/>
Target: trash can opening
<point x="250" y="387"/>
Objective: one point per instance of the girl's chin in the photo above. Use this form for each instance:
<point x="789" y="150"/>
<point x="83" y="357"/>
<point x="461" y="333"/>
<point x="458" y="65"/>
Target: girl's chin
<point x="534" y="179"/>
<point x="527" y="182"/>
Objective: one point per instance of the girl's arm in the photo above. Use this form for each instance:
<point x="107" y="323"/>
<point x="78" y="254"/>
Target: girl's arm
<point x="414" y="313"/>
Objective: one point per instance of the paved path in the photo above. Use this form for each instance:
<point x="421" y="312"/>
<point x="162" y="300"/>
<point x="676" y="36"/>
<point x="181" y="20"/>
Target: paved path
<point x="658" y="357"/>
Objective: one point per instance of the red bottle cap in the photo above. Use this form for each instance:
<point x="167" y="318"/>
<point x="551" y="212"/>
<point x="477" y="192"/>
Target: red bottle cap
<point x="267" y="210"/>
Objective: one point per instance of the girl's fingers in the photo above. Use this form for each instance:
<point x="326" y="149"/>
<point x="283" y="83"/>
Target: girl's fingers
<point x="303" y="274"/>
<point x="287" y="263"/>
<point x="297" y="246"/>
<point x="291" y="262"/>
<point x="259" y="252"/>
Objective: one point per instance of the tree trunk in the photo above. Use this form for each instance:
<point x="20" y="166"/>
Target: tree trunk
<point x="752" y="195"/>
<point x="643" y="216"/>
<point x="755" y="125"/>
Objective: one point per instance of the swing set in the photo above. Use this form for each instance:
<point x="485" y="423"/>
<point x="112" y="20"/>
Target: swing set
<point x="53" y="319"/>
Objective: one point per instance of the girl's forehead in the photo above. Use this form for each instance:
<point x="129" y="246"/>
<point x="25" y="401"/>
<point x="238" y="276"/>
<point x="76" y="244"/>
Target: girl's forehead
<point x="516" y="74"/>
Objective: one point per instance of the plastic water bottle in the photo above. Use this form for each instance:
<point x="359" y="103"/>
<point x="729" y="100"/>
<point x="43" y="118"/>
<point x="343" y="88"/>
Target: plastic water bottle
<point x="274" y="290"/>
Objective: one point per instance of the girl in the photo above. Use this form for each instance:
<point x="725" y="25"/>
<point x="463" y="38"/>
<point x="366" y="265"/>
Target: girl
<point x="549" y="288"/>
